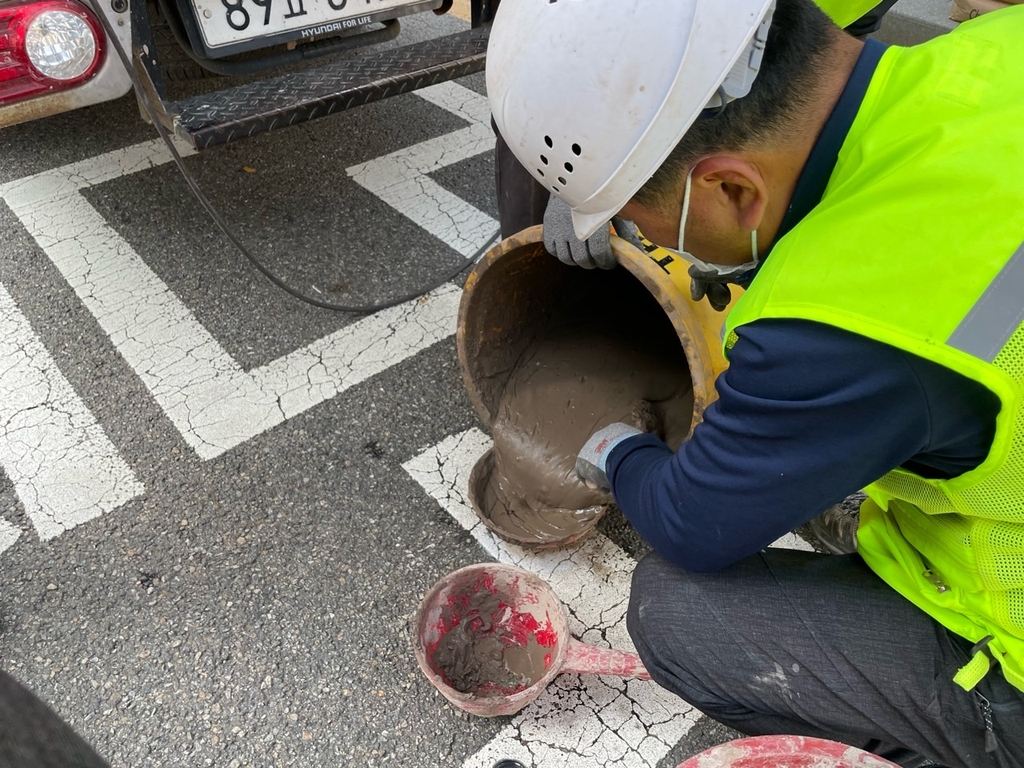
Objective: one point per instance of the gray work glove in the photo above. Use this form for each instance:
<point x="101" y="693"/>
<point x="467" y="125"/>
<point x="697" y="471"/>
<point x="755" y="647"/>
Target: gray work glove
<point x="592" y="460"/>
<point x="561" y="241"/>
<point x="713" y="286"/>
<point x="628" y="231"/>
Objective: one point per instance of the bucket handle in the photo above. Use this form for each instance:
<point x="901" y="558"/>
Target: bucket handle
<point x="584" y="659"/>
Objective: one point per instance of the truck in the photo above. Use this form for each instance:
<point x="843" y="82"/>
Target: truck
<point x="216" y="71"/>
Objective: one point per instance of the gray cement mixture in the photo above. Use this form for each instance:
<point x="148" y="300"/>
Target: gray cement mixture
<point x="479" y="656"/>
<point x="582" y="375"/>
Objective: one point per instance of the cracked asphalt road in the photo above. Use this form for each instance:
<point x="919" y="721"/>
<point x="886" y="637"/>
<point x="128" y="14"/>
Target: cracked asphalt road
<point x="240" y="594"/>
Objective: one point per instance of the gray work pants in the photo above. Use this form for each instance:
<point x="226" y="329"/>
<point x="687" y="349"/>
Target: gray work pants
<point x="818" y="645"/>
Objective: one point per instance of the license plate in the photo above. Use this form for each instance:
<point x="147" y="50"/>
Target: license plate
<point x="231" y="26"/>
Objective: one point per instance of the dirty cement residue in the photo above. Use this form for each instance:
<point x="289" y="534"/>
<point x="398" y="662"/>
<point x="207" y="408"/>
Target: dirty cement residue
<point x="482" y="655"/>
<point x="610" y="354"/>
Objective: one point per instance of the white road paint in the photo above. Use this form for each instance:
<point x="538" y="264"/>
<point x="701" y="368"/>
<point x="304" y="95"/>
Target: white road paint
<point x="62" y="465"/>
<point x="792" y="541"/>
<point x="214" y="404"/>
<point x="400" y="178"/>
<point x="8" y="535"/>
<point x="580" y="721"/>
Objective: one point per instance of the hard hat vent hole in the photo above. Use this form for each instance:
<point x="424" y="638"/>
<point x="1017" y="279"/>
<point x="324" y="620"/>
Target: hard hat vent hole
<point x="561" y="180"/>
<point x="540" y="171"/>
<point x="549" y="142"/>
<point x="543" y="159"/>
<point x="554" y="189"/>
<point x="576" y="150"/>
<point x="568" y="167"/>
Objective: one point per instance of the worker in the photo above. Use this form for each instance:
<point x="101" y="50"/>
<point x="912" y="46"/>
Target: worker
<point x="523" y="202"/>
<point x="871" y="199"/>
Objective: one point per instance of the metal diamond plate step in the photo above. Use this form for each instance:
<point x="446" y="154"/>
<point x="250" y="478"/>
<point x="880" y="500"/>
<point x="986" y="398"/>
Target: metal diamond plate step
<point x="243" y="111"/>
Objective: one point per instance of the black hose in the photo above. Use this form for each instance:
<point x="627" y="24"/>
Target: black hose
<point x="230" y="234"/>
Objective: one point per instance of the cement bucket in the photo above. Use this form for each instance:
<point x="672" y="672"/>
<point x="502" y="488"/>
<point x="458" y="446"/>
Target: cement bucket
<point x="516" y="291"/>
<point x="504" y="635"/>
<point x="785" y="752"/>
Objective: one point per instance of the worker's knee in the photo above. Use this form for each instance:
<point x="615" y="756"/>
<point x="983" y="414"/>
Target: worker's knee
<point x="673" y="622"/>
<point x="663" y="601"/>
<point x="677" y="619"/>
<point x="658" y="595"/>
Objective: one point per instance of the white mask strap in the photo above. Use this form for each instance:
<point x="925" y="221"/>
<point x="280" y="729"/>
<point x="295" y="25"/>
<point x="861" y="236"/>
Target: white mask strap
<point x="718" y="269"/>
<point x="686" y="211"/>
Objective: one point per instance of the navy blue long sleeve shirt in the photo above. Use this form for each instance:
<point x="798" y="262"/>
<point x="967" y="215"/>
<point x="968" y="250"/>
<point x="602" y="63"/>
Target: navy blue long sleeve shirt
<point x="807" y="414"/>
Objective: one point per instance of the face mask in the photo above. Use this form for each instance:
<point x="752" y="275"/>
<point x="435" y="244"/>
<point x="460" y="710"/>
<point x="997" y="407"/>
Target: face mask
<point x="719" y="270"/>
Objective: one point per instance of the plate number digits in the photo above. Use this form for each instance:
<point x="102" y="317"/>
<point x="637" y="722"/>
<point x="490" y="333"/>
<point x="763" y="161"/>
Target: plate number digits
<point x="265" y="5"/>
<point x="237" y="16"/>
<point x="233" y="26"/>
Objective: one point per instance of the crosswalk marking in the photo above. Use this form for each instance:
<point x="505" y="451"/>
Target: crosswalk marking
<point x="400" y="179"/>
<point x="214" y="404"/>
<point x="210" y="399"/>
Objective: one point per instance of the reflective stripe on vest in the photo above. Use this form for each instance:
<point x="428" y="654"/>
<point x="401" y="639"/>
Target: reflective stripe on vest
<point x="996" y="315"/>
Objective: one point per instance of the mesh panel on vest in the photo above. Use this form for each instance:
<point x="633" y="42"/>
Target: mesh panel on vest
<point x="986" y="520"/>
<point x="1008" y="607"/>
<point x="904" y="485"/>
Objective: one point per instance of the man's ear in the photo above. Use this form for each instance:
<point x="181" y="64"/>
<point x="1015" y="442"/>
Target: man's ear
<point x="732" y="191"/>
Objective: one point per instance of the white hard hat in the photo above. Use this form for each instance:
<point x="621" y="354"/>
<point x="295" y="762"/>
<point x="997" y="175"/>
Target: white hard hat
<point x="592" y="95"/>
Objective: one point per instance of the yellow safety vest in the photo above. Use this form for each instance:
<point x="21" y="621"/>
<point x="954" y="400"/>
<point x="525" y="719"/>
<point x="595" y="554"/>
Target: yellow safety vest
<point x="845" y="12"/>
<point x="917" y="243"/>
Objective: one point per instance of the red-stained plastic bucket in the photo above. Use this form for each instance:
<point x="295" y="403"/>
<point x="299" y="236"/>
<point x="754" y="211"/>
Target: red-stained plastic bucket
<point x="785" y="752"/>
<point x="512" y="611"/>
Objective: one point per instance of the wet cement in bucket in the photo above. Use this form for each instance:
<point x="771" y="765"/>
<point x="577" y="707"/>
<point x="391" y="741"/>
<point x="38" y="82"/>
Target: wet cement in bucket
<point x="608" y="355"/>
<point x="490" y="648"/>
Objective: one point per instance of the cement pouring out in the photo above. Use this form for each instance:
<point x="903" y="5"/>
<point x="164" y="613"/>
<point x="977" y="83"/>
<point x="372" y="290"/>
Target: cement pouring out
<point x="608" y="354"/>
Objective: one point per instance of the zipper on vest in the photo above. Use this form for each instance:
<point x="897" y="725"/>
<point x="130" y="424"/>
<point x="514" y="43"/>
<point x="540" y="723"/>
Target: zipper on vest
<point x="991" y="743"/>
<point x="939" y="584"/>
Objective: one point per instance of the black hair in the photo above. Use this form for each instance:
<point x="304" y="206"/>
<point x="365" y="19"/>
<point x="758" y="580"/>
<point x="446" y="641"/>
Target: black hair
<point x="795" y="58"/>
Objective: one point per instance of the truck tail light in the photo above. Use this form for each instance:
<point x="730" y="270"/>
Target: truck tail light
<point x="45" y="46"/>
